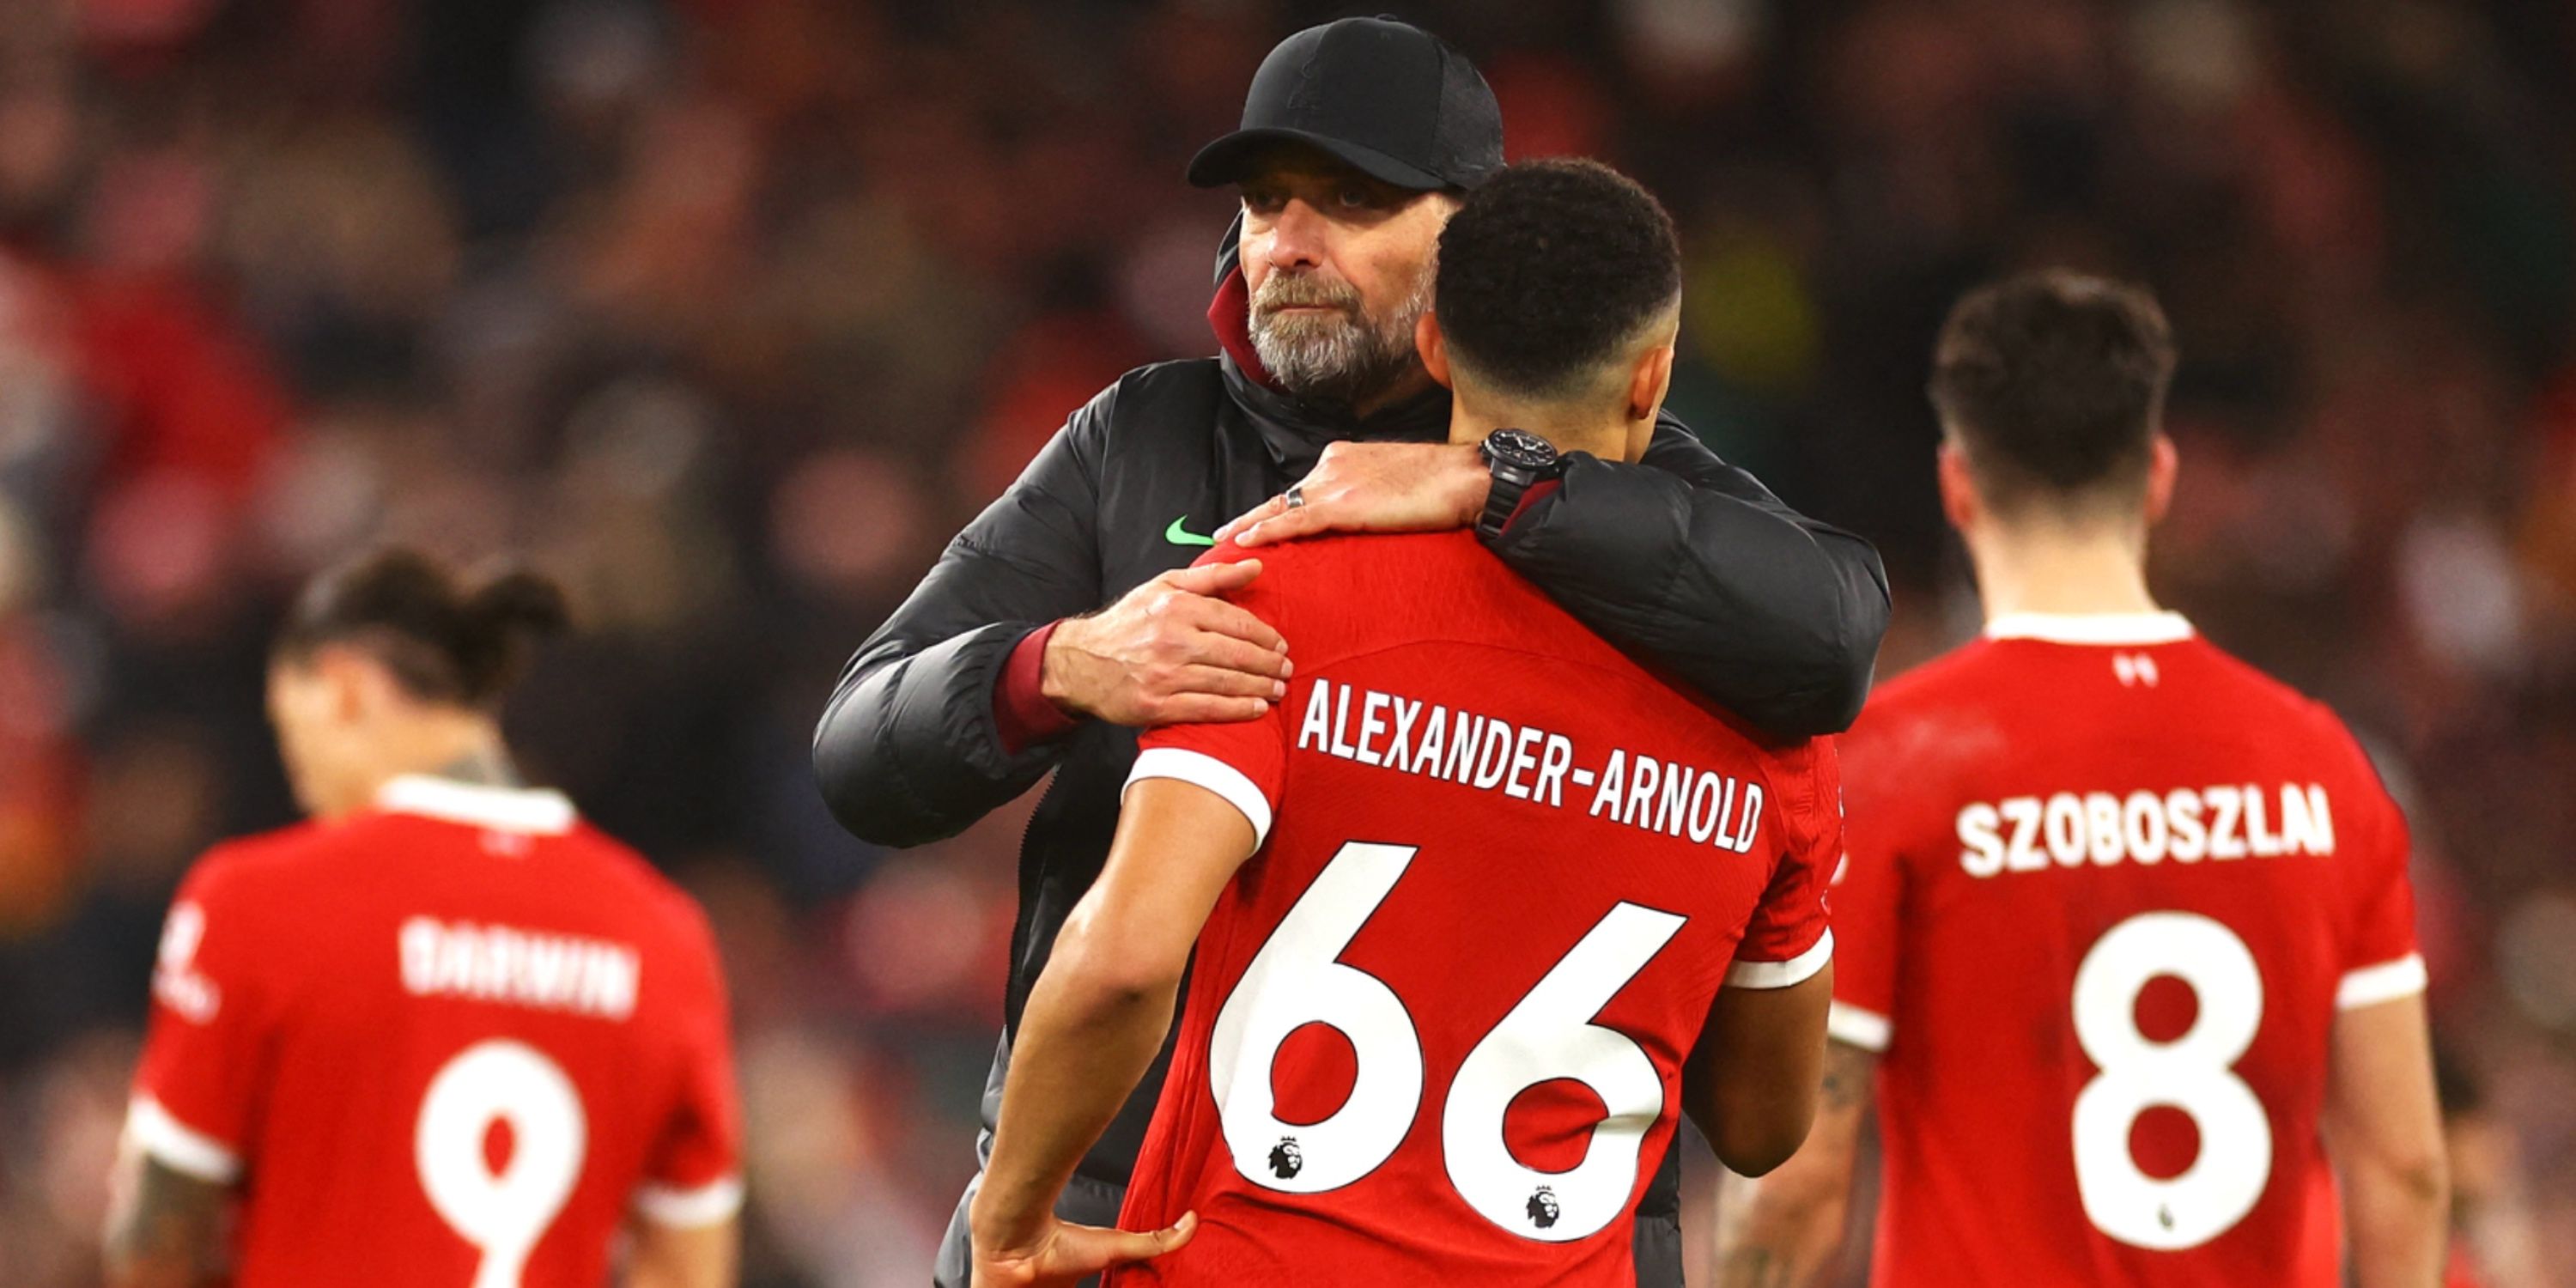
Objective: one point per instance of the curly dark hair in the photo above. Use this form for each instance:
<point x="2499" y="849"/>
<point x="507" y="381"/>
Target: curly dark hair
<point x="1548" y="271"/>
<point x="2054" y="383"/>
<point x="442" y="641"/>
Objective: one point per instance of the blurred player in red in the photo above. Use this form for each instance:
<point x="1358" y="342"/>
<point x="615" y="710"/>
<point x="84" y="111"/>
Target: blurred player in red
<point x="2125" y="930"/>
<point x="445" y="1034"/>
<point x="1474" y="893"/>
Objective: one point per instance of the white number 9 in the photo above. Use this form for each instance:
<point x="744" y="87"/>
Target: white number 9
<point x="502" y="1214"/>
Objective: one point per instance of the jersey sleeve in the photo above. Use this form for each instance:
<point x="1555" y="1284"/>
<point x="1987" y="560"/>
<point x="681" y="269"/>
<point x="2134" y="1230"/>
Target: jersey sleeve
<point x="1788" y="940"/>
<point x="2380" y="961"/>
<point x="1246" y="761"/>
<point x="693" y="1177"/>
<point x="1867" y="893"/>
<point x="196" y="1088"/>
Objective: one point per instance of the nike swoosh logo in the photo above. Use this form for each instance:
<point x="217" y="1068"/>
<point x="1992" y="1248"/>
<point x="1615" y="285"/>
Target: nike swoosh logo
<point x="1180" y="536"/>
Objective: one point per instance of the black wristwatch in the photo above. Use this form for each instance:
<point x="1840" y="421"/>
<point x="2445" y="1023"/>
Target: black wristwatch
<point x="1520" y="460"/>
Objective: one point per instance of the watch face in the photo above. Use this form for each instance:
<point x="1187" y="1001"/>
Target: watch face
<point x="1520" y="447"/>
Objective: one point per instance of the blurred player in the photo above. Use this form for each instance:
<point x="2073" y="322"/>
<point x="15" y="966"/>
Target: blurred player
<point x="447" y="1033"/>
<point x="1469" y="892"/>
<point x="2125" y="927"/>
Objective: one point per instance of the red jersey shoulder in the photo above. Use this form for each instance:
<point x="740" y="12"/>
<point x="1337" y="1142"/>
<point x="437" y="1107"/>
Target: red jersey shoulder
<point x="279" y="847"/>
<point x="1350" y="595"/>
<point x="2259" y="696"/>
<point x="240" y="911"/>
<point x="1969" y="682"/>
<point x="249" y="870"/>
<point x="1927" y="686"/>
<point x="2277" y="697"/>
<point x="1817" y="765"/>
<point x="1358" y="593"/>
<point x="1919" y="723"/>
<point x="670" y="908"/>
<point x="612" y="875"/>
<point x="1339" y="587"/>
<point x="278" y="872"/>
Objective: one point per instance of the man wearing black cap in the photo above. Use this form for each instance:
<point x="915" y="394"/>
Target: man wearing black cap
<point x="1066" y="615"/>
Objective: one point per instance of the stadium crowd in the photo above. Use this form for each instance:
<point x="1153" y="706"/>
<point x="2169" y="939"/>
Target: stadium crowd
<point x="726" y="311"/>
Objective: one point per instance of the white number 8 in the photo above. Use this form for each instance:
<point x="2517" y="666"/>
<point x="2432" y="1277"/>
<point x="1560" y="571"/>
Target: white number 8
<point x="502" y="1214"/>
<point x="2194" y="1073"/>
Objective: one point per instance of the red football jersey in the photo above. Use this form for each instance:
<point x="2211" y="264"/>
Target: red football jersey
<point x="1435" y="1026"/>
<point x="2106" y="888"/>
<point x="452" y="1040"/>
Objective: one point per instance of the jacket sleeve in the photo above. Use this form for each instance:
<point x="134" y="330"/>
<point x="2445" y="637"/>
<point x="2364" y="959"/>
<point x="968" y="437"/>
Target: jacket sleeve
<point x="1692" y="565"/>
<point x="908" y="750"/>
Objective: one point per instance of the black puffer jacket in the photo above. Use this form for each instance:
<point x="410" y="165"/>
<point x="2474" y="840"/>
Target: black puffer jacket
<point x="1683" y="561"/>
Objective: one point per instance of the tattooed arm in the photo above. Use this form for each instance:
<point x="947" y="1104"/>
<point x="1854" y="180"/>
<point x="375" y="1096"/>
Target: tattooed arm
<point x="164" y="1226"/>
<point x="1784" y="1229"/>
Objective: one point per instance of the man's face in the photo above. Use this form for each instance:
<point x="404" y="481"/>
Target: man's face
<point x="1339" y="266"/>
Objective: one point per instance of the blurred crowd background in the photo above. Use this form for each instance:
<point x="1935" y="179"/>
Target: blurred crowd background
<point x="729" y="312"/>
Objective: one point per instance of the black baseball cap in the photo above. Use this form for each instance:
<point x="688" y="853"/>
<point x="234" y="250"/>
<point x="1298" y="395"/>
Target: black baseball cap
<point x="1389" y="98"/>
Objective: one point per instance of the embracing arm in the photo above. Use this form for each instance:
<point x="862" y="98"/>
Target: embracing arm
<point x="164" y="1225"/>
<point x="1693" y="565"/>
<point x="1782" y="1230"/>
<point x="909" y="749"/>
<point x="914" y="745"/>
<point x="1682" y="560"/>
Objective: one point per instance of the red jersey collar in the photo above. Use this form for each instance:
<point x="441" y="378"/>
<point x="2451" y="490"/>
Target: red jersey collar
<point x="2129" y="629"/>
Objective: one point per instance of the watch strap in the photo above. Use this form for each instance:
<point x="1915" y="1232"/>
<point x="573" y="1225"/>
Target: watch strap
<point x="1503" y="500"/>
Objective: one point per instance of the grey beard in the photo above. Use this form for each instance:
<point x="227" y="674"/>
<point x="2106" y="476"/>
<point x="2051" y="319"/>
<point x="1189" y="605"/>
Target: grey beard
<point x="1336" y="358"/>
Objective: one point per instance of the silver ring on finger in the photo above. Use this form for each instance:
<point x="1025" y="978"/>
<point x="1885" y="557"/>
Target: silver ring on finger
<point x="1295" y="496"/>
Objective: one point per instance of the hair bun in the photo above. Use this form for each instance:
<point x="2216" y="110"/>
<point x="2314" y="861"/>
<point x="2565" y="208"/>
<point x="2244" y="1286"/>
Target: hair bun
<point x="519" y="602"/>
<point x="501" y="618"/>
<point x="442" y="642"/>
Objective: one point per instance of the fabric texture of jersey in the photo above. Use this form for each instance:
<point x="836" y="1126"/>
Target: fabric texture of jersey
<point x="1435" y="1026"/>
<point x="463" y="1027"/>
<point x="2106" y="889"/>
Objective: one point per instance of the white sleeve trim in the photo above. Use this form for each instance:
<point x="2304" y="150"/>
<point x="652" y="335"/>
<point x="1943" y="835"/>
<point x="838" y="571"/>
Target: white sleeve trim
<point x="1211" y="773"/>
<point x="2385" y="982"/>
<point x="708" y="1204"/>
<point x="1858" y="1026"/>
<point x="177" y="1146"/>
<point x="1796" y="970"/>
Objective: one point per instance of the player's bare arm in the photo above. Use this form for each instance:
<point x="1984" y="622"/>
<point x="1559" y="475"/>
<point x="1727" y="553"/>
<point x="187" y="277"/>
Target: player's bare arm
<point x="697" y="1256"/>
<point x="164" y="1229"/>
<point x="1091" y="1029"/>
<point x="1782" y="1229"/>
<point x="1752" y="1081"/>
<point x="2383" y="1131"/>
